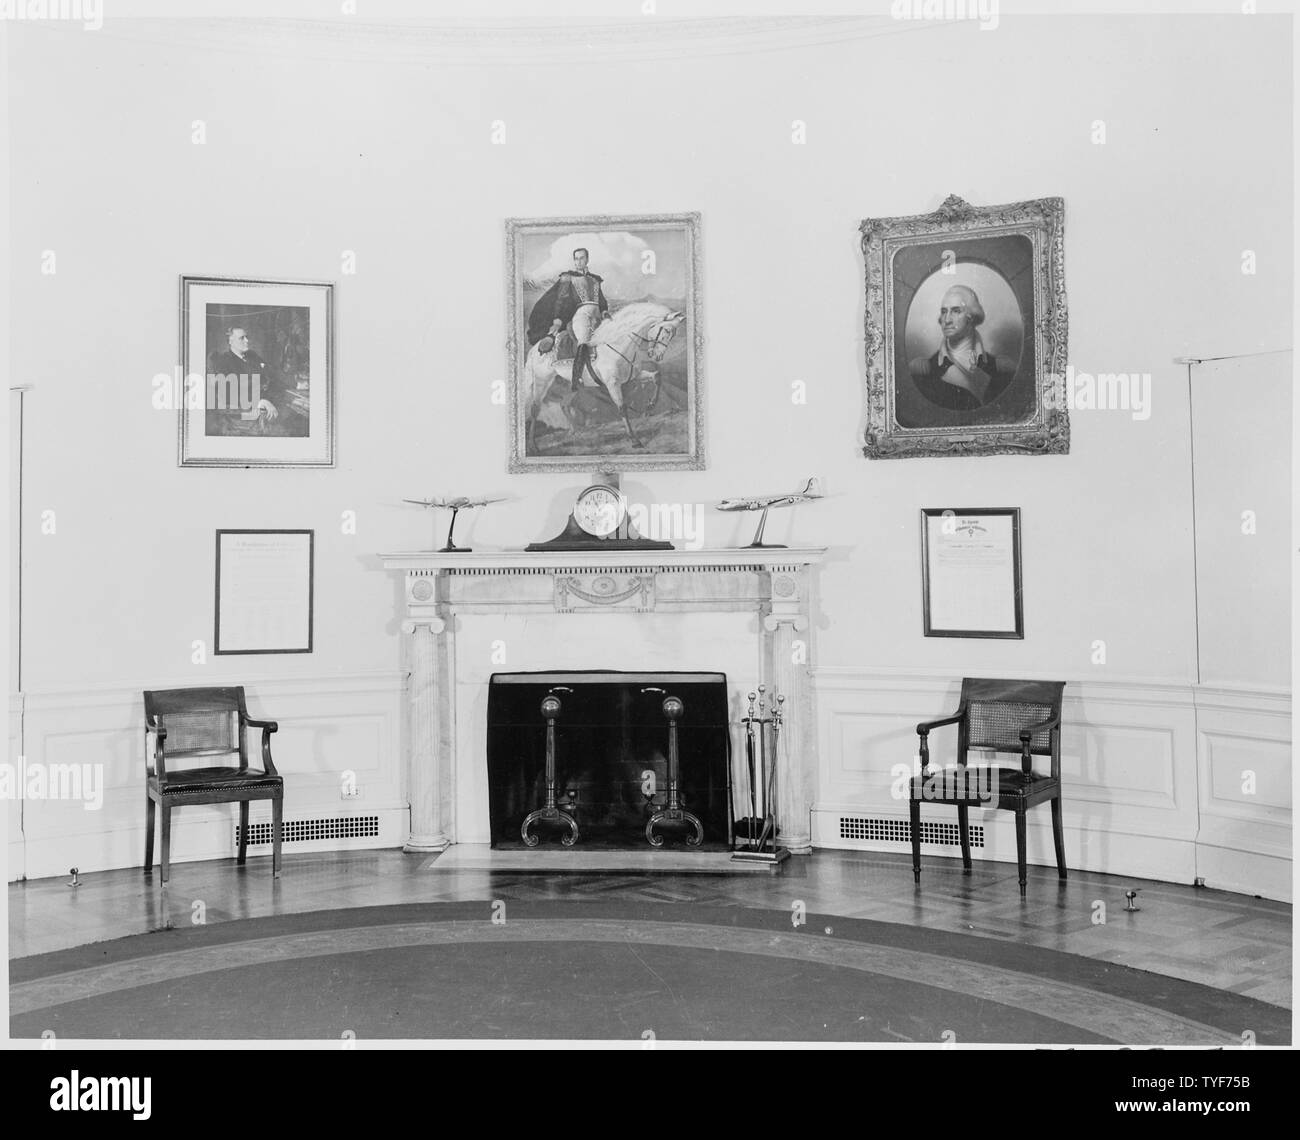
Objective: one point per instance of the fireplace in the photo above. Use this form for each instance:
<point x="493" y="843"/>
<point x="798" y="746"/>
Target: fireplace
<point x="745" y="615"/>
<point x="609" y="733"/>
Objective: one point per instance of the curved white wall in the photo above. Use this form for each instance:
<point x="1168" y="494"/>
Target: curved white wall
<point x="320" y="143"/>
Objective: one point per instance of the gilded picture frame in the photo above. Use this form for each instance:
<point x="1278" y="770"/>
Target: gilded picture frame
<point x="966" y="331"/>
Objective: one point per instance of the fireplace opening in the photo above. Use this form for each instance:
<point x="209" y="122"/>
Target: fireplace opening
<point x="610" y="739"/>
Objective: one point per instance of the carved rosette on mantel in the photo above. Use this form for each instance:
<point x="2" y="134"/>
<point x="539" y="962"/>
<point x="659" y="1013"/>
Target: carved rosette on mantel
<point x="775" y="585"/>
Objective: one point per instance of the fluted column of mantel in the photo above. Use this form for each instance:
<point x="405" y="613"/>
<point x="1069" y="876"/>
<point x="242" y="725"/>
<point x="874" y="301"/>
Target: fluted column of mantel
<point x="430" y="757"/>
<point x="787" y="626"/>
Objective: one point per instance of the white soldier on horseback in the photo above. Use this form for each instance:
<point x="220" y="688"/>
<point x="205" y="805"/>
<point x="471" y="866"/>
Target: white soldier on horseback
<point x="627" y="346"/>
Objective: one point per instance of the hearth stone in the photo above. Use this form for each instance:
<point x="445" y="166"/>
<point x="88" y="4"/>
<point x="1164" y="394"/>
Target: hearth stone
<point x="611" y="756"/>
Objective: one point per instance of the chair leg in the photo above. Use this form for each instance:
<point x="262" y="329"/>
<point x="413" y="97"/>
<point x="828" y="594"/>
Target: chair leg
<point x="277" y="826"/>
<point x="1058" y="837"/>
<point x="243" y="831"/>
<point x="963" y="828"/>
<point x="914" y="811"/>
<point x="1020" y="848"/>
<point x="148" y="833"/>
<point x="166" y="810"/>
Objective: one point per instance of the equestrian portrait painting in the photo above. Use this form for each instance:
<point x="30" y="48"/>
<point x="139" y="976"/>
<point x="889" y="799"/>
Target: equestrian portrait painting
<point x="605" y="343"/>
<point x="966" y="331"/>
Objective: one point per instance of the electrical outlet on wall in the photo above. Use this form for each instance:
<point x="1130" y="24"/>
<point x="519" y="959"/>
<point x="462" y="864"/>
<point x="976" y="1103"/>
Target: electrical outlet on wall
<point x="350" y="792"/>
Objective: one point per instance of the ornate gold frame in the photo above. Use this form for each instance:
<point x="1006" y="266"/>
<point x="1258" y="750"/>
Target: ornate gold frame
<point x="1047" y="430"/>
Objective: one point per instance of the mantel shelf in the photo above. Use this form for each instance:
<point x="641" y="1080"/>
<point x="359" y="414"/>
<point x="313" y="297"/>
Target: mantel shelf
<point x="533" y="561"/>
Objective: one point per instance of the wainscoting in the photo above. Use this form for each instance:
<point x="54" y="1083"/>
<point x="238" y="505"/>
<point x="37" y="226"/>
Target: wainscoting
<point x="1168" y="781"/>
<point x="1158" y="776"/>
<point x="329" y="726"/>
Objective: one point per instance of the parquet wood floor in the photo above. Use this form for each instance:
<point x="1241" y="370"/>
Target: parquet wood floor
<point x="1230" y="941"/>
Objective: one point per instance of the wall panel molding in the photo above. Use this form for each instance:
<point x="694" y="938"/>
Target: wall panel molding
<point x="476" y="42"/>
<point x="1244" y="766"/>
<point x="329" y="724"/>
<point x="1153" y="771"/>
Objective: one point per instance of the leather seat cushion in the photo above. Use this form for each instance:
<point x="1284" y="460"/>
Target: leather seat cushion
<point x="200" y="779"/>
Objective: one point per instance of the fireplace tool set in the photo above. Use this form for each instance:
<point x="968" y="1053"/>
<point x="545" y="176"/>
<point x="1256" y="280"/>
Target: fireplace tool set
<point x="756" y="832"/>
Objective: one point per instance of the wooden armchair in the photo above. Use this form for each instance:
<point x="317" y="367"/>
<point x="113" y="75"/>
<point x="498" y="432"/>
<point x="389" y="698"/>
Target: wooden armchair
<point x="1021" y="717"/>
<point x="206" y="723"/>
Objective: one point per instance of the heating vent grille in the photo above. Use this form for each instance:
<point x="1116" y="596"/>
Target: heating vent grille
<point x="900" y="831"/>
<point x="306" y="830"/>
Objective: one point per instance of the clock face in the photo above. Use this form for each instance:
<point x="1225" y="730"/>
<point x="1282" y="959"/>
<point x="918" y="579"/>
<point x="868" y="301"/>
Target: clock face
<point x="599" y="510"/>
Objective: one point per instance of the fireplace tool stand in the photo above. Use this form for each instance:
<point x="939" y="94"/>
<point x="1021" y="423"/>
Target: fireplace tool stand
<point x="755" y="835"/>
<point x="550" y="814"/>
<point x="673" y="813"/>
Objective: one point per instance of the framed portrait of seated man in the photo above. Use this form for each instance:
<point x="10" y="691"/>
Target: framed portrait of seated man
<point x="258" y="365"/>
<point x="966" y="331"/>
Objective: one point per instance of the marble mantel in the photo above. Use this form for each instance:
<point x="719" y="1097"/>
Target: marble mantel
<point x="571" y="595"/>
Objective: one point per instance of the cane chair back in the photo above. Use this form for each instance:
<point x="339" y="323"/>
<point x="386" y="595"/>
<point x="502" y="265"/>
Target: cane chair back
<point x="998" y="710"/>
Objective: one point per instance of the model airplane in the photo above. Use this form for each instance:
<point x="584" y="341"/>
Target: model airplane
<point x="455" y="505"/>
<point x="811" y="490"/>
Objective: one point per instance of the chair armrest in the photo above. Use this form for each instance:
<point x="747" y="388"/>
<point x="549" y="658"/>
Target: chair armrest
<point x="1032" y="730"/>
<point x="923" y="731"/>
<point x="924" y="727"/>
<point x="267" y="727"/>
<point x="160" y="738"/>
<point x="1028" y="733"/>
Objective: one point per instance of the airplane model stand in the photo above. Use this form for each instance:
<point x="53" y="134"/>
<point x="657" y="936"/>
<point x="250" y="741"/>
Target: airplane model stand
<point x="451" y="547"/>
<point x="758" y="543"/>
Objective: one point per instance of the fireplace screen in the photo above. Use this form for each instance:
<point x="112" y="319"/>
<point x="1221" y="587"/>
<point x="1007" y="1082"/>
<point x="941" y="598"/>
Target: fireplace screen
<point x="610" y="781"/>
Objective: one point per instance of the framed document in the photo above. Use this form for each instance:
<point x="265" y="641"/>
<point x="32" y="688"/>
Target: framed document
<point x="970" y="572"/>
<point x="264" y="591"/>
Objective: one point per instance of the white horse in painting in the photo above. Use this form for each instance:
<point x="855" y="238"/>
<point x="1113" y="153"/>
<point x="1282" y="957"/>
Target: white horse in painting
<point x="636" y="336"/>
